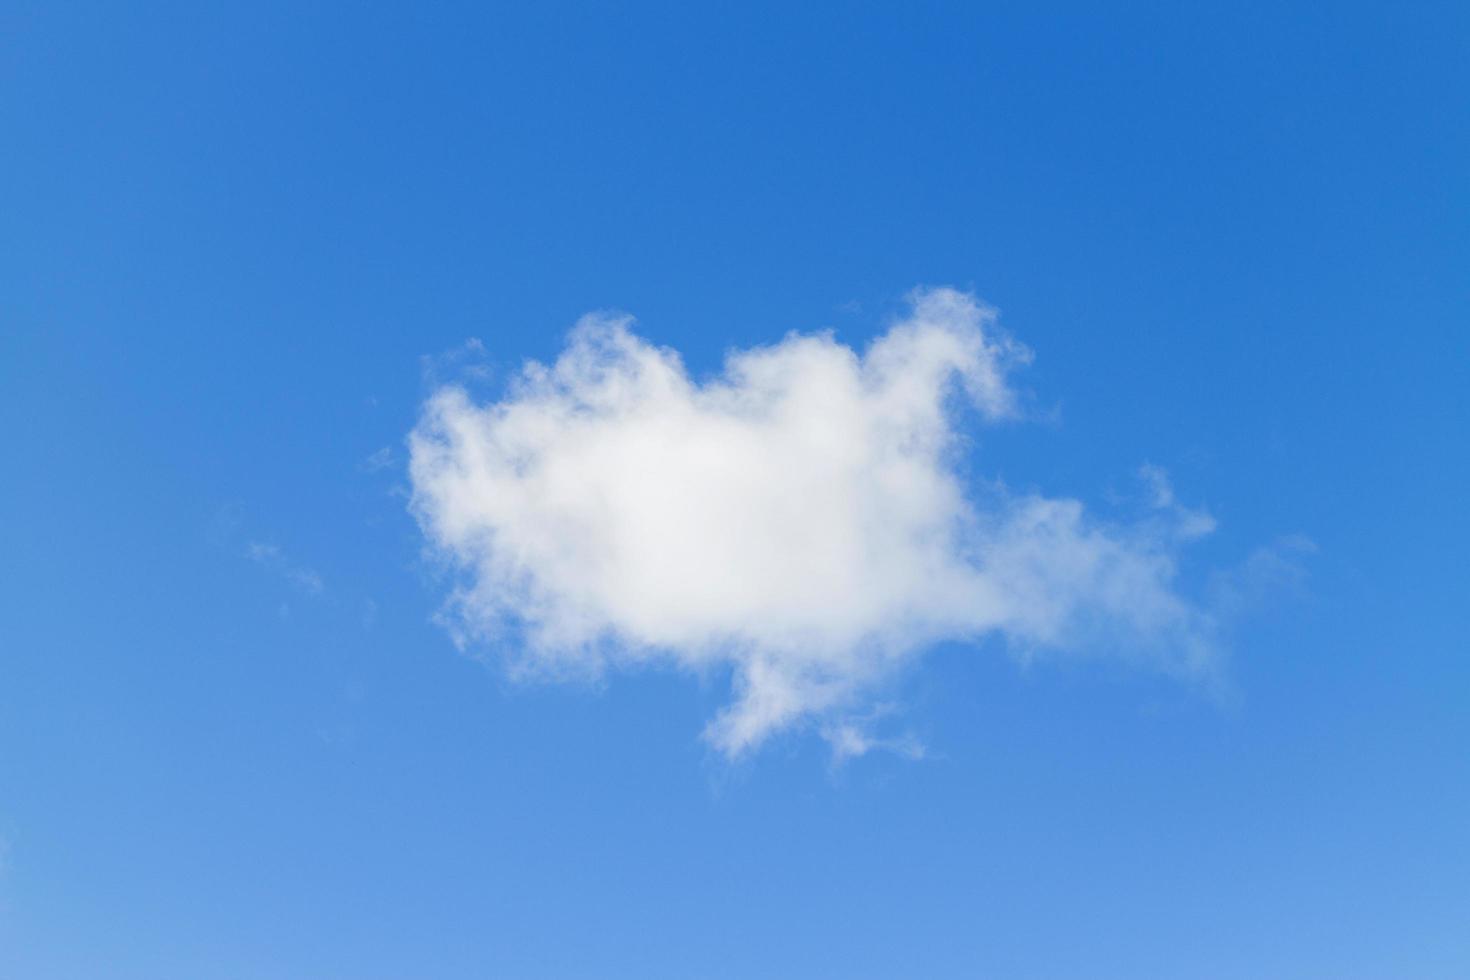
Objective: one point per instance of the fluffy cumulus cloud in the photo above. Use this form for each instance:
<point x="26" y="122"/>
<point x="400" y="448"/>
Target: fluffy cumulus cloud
<point x="798" y="521"/>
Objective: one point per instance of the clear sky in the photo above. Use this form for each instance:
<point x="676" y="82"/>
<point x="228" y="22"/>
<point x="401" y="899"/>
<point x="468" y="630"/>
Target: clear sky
<point x="243" y="249"/>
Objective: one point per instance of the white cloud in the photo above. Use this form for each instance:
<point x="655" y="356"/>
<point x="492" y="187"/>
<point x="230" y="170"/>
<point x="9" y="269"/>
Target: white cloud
<point x="304" y="579"/>
<point x="379" y="459"/>
<point x="798" y="520"/>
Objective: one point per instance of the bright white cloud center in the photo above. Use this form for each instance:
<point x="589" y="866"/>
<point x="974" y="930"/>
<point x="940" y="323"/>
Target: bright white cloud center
<point x="798" y="519"/>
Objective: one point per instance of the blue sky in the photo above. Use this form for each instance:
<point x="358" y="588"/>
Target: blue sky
<point x="241" y="246"/>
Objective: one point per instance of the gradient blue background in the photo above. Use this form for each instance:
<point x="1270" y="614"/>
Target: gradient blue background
<point x="1237" y="237"/>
